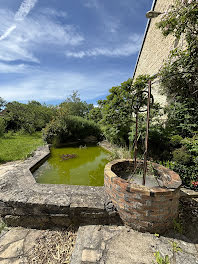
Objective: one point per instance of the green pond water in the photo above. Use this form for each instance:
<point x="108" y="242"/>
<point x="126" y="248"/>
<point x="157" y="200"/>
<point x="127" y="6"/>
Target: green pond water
<point x="87" y="168"/>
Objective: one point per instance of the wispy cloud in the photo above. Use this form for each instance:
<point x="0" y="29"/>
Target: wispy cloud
<point x="33" y="34"/>
<point x="23" y="11"/>
<point x="47" y="86"/>
<point x="91" y="3"/>
<point x="108" y="22"/>
<point x="126" y="49"/>
<point x="8" y="32"/>
<point x="53" y="12"/>
<point x="7" y="68"/>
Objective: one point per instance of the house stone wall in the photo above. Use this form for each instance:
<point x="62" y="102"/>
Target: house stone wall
<point x="156" y="49"/>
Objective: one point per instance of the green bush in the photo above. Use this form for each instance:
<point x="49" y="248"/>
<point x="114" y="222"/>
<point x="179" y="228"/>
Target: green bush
<point x="2" y="127"/>
<point x="182" y="156"/>
<point x="29" y="117"/>
<point x="187" y="173"/>
<point x="159" y="143"/>
<point x="65" y="128"/>
<point x="75" y="107"/>
<point x="176" y="140"/>
<point x="185" y="160"/>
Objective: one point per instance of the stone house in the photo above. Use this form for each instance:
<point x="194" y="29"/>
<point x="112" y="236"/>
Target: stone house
<point x="155" y="48"/>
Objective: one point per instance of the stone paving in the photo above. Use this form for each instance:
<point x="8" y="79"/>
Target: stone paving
<point x="27" y="246"/>
<point x="97" y="244"/>
<point x="15" y="244"/>
<point x="121" y="245"/>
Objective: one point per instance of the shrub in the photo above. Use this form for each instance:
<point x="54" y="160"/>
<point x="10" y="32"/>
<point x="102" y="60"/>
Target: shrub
<point x="176" y="140"/>
<point x="2" y="127"/>
<point x="188" y="174"/>
<point x="185" y="161"/>
<point x="65" y="128"/>
<point x="29" y="117"/>
<point x="159" y="143"/>
<point x="182" y="156"/>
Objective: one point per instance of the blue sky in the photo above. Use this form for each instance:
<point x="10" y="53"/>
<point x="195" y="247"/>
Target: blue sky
<point x="48" y="48"/>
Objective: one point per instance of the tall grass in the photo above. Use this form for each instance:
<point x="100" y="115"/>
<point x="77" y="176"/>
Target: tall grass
<point x="119" y="153"/>
<point x="18" y="146"/>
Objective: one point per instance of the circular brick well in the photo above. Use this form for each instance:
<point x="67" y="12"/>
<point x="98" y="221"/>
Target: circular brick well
<point x="142" y="208"/>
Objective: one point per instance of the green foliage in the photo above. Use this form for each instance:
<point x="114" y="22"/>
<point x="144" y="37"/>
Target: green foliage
<point x="29" y="117"/>
<point x="185" y="160"/>
<point x="95" y="114"/>
<point x="74" y="106"/>
<point x="117" y="112"/>
<point x="192" y="145"/>
<point x="2" y="127"/>
<point x="15" y="146"/>
<point x="182" y="117"/>
<point x="2" y="103"/>
<point x="188" y="173"/>
<point x="176" y="140"/>
<point x="3" y="226"/>
<point x="181" y="156"/>
<point x="179" y="81"/>
<point x="160" y="259"/>
<point x="159" y="142"/>
<point x="178" y="227"/>
<point x="179" y="75"/>
<point x="64" y="128"/>
<point x="180" y="19"/>
<point x="119" y="153"/>
<point x="175" y="247"/>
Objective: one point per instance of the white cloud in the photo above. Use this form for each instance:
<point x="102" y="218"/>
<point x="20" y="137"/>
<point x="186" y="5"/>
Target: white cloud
<point x="16" y="50"/>
<point x="49" y="86"/>
<point x="53" y="12"/>
<point x="130" y="47"/>
<point x="24" y="9"/>
<point x="32" y="34"/>
<point x="8" y="32"/>
<point x="7" y="68"/>
<point x="112" y="25"/>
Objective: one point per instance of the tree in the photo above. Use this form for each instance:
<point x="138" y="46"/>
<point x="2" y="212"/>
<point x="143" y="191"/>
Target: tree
<point x="95" y="114"/>
<point x="117" y="111"/>
<point x="74" y="106"/>
<point x="30" y="117"/>
<point x="2" y="103"/>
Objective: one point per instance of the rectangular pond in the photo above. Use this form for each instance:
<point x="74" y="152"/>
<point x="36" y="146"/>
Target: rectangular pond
<point x="74" y="166"/>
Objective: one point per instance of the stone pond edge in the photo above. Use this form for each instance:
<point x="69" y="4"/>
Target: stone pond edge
<point x="27" y="203"/>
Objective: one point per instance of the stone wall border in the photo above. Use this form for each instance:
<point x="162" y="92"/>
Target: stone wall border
<point x="27" y="203"/>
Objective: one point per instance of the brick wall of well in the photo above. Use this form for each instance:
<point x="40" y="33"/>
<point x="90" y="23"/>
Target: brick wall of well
<point x="142" y="208"/>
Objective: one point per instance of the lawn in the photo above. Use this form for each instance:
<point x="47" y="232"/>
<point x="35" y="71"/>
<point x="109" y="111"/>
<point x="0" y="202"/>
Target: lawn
<point x="16" y="146"/>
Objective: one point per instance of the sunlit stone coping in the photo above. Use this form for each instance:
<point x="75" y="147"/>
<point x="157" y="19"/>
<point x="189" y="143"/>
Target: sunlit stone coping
<point x="25" y="202"/>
